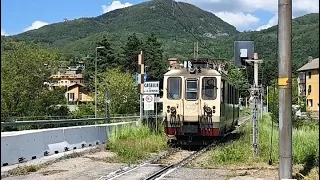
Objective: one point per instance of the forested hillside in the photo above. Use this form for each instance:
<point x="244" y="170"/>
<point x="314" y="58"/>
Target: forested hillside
<point x="176" y="28"/>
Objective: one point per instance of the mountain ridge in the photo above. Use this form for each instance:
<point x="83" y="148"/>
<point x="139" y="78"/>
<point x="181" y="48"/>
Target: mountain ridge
<point x="176" y="29"/>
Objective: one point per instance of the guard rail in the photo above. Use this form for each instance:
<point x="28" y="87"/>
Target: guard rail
<point x="69" y="121"/>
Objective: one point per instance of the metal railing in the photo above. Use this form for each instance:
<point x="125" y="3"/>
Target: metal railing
<point x="112" y="119"/>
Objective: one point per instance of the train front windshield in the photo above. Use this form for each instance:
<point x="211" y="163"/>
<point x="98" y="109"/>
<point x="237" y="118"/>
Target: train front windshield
<point x="209" y="88"/>
<point x="174" y="88"/>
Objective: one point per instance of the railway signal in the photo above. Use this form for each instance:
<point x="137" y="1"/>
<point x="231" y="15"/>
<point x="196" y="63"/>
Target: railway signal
<point x="244" y="56"/>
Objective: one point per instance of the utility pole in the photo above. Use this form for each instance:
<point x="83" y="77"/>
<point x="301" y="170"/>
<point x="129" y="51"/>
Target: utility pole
<point x="141" y="84"/>
<point x="267" y="99"/>
<point x="285" y="87"/>
<point x="195" y="50"/>
<point x="256" y="91"/>
<point x="107" y="105"/>
<point x="261" y="101"/>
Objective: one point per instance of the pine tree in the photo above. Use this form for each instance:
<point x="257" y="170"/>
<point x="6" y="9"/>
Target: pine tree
<point x="153" y="56"/>
<point x="132" y="49"/>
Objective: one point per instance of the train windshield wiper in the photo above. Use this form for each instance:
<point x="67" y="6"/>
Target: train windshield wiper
<point x="169" y="93"/>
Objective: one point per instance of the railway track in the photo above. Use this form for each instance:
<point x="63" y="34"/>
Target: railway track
<point x="152" y="170"/>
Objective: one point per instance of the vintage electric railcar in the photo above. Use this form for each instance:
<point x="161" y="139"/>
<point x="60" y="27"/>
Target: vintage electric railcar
<point x="199" y="102"/>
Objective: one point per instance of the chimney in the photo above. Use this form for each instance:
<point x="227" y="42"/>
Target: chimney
<point x="172" y="61"/>
<point x="310" y="58"/>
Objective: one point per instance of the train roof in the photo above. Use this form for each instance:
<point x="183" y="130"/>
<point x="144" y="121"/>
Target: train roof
<point x="204" y="72"/>
<point x="186" y="73"/>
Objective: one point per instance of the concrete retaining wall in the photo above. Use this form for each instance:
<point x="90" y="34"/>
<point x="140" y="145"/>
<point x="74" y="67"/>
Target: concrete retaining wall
<point x="21" y="146"/>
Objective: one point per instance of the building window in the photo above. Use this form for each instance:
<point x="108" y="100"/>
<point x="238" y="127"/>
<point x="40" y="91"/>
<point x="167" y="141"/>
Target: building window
<point x="309" y="74"/>
<point x="310" y="103"/>
<point x="71" y="96"/>
<point x="309" y="89"/>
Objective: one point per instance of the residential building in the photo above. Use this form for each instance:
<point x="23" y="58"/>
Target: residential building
<point x="77" y="93"/>
<point x="67" y="79"/>
<point x="308" y="80"/>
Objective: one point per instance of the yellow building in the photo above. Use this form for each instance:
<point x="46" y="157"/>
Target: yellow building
<point x="308" y="81"/>
<point x="77" y="93"/>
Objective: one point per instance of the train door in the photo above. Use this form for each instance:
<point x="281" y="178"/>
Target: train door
<point x="191" y="100"/>
<point x="209" y="95"/>
<point x="174" y="95"/>
<point x="173" y="105"/>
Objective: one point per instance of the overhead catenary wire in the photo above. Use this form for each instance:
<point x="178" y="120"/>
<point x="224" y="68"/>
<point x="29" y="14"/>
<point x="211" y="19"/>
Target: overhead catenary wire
<point x="175" y="18"/>
<point x="192" y="28"/>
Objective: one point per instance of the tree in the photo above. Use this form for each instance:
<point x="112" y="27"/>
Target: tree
<point x="24" y="69"/>
<point x="84" y="110"/>
<point x="105" y="60"/>
<point x="273" y="99"/>
<point x="122" y="91"/>
<point x="239" y="79"/>
<point x="156" y="65"/>
<point x="131" y="50"/>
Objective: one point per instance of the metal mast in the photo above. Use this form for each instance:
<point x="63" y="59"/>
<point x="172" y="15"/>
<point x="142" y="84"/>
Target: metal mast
<point x="285" y="87"/>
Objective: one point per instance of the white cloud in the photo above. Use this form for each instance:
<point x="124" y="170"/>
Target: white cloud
<point x="243" y="7"/>
<point x="241" y="21"/>
<point x="36" y="25"/>
<point x="3" y="33"/>
<point x="115" y="5"/>
<point x="273" y="21"/>
<point x="300" y="7"/>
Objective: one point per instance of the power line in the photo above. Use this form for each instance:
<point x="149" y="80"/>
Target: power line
<point x="182" y="24"/>
<point x="192" y="28"/>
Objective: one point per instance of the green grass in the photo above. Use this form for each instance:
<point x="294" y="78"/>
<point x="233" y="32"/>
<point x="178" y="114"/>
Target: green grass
<point x="305" y="146"/>
<point x="135" y="143"/>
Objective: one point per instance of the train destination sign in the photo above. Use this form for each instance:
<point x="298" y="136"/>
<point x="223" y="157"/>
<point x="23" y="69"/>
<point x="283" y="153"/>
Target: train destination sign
<point x="151" y="87"/>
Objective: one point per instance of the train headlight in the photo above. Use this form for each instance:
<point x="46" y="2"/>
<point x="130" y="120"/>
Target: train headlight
<point x="208" y="109"/>
<point x="213" y="109"/>
<point x="173" y="109"/>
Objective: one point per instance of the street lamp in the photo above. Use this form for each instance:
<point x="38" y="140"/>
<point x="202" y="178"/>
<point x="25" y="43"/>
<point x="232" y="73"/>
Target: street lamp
<point x="95" y="81"/>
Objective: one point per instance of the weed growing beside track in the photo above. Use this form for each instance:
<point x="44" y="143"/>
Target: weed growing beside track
<point x="239" y="152"/>
<point x="305" y="145"/>
<point x="135" y="143"/>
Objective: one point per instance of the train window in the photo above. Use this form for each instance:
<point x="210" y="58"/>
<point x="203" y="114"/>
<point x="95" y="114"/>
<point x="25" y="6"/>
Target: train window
<point x="174" y="88"/>
<point x="209" y="88"/>
<point x="222" y="91"/>
<point x="191" y="90"/>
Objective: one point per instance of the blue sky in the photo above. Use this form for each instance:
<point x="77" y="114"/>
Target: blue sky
<point x="18" y="16"/>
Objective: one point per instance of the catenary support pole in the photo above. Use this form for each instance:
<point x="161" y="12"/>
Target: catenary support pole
<point x="285" y="87"/>
<point x="256" y="91"/>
